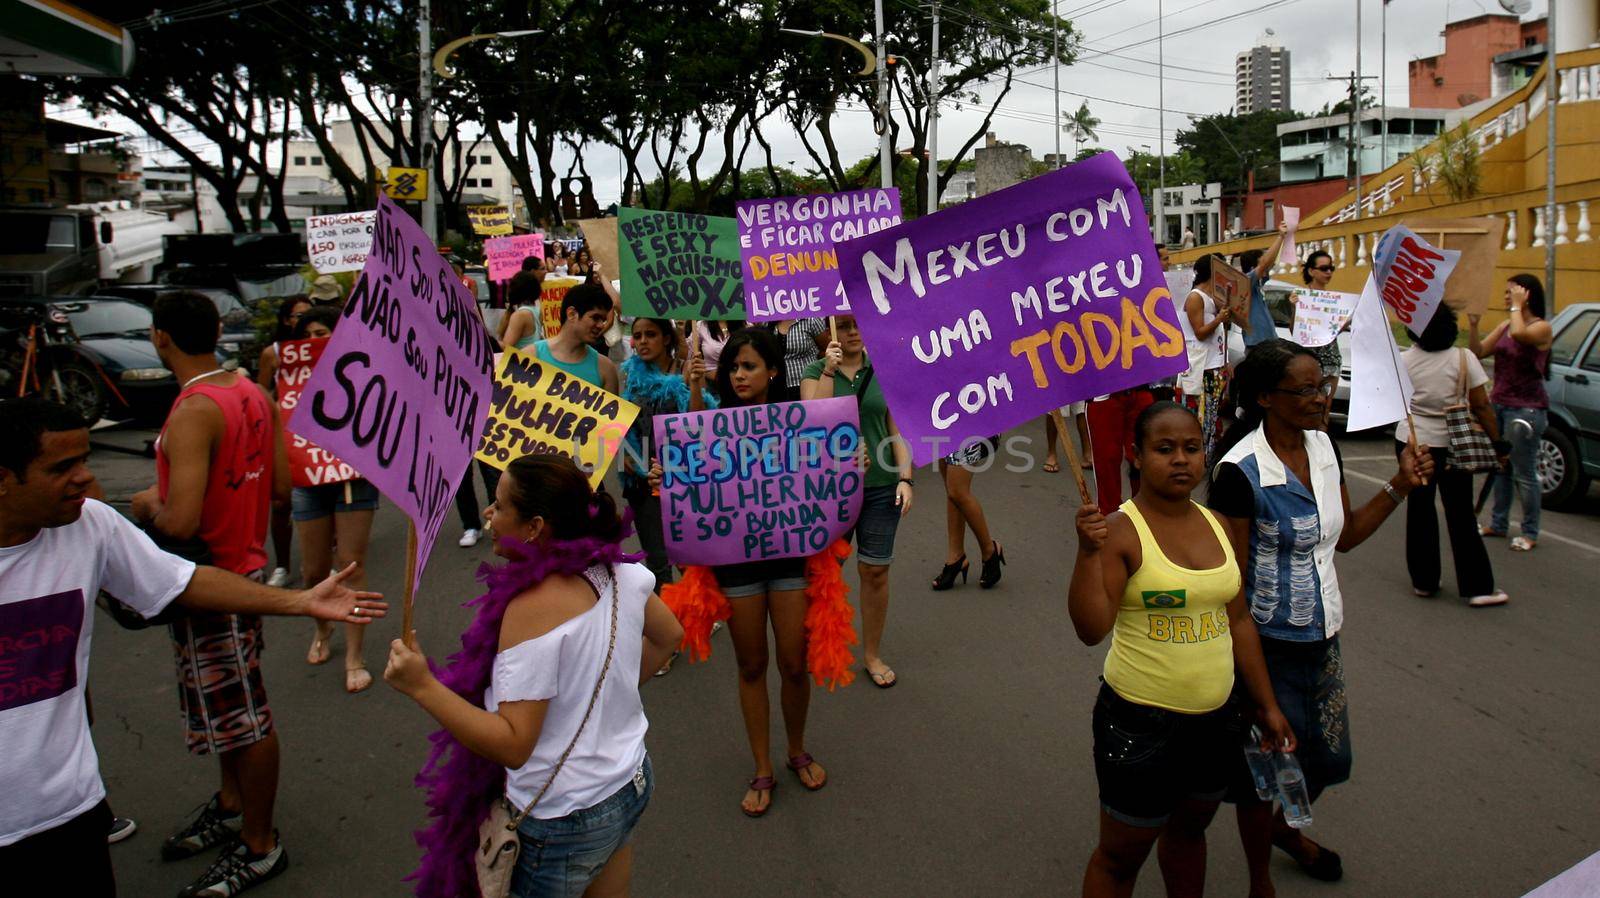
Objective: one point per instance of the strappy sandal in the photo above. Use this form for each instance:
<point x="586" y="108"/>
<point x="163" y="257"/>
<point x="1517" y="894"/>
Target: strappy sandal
<point x="1523" y="544"/>
<point x="800" y="762"/>
<point x="761" y="784"/>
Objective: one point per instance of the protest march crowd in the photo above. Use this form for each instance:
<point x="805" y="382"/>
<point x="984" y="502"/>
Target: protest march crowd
<point x="766" y="386"/>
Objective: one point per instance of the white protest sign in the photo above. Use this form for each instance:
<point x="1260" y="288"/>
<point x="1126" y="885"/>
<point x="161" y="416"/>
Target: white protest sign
<point x="1319" y="315"/>
<point x="339" y="242"/>
<point x="1290" y="254"/>
<point x="1411" y="274"/>
<point x="1380" y="386"/>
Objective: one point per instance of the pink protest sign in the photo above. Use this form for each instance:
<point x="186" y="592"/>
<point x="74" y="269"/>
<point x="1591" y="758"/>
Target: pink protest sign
<point x="404" y="382"/>
<point x="309" y="464"/>
<point x="786" y="245"/>
<point x="504" y="255"/>
<point x="781" y="480"/>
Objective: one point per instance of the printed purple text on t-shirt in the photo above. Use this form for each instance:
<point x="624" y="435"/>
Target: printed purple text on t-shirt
<point x="39" y="648"/>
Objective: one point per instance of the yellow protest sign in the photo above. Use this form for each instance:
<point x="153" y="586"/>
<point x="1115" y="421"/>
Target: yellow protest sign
<point x="538" y="408"/>
<point x="406" y="183"/>
<point x="490" y="221"/>
<point x="551" y="293"/>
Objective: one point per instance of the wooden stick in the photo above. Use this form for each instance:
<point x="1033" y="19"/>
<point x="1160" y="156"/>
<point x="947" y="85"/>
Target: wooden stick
<point x="833" y="329"/>
<point x="347" y="497"/>
<point x="410" y="588"/>
<point x="1073" y="458"/>
<point x="1411" y="438"/>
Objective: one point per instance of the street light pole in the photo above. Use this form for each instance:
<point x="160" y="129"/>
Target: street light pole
<point x="1161" y="123"/>
<point x="1055" y="51"/>
<point x="884" y="176"/>
<point x="1552" y="83"/>
<point x="430" y="224"/>
<point x="933" y="117"/>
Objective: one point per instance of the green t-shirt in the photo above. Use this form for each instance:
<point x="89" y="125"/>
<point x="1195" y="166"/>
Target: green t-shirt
<point x="874" y="420"/>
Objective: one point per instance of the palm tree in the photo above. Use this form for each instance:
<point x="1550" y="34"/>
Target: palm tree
<point x="1082" y="125"/>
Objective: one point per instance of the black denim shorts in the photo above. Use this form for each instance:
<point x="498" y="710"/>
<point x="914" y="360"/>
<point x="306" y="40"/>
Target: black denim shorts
<point x="1147" y="760"/>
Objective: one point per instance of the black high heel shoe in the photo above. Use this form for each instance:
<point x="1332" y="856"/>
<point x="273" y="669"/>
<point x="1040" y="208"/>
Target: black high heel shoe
<point x="947" y="574"/>
<point x="991" y="566"/>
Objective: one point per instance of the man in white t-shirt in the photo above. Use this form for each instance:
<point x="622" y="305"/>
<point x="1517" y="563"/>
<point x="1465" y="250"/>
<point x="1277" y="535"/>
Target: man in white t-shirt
<point x="58" y="550"/>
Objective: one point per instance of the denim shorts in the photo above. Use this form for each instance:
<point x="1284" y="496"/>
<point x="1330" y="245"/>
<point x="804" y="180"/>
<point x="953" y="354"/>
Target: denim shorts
<point x="875" y="529"/>
<point x="309" y="503"/>
<point x="561" y="857"/>
<point x="1147" y="760"/>
<point x="754" y="578"/>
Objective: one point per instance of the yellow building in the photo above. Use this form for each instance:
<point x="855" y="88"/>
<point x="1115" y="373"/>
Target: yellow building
<point x="1510" y="137"/>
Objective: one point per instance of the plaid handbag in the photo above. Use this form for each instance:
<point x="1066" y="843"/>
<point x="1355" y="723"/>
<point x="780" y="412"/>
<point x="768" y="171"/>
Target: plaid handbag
<point x="1470" y="449"/>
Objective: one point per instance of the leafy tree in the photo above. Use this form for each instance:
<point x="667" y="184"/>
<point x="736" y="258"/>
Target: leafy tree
<point x="1229" y="147"/>
<point x="1082" y="124"/>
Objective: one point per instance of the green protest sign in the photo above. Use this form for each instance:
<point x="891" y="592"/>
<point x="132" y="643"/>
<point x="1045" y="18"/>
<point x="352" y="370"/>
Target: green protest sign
<point x="679" y="265"/>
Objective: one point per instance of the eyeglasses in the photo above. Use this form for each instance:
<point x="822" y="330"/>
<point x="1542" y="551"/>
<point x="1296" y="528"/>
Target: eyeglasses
<point x="1324" y="389"/>
<point x="1328" y="268"/>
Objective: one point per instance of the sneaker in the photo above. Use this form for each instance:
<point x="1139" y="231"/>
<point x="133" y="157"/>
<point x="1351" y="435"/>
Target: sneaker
<point x="1498" y="597"/>
<point x="237" y="869"/>
<point x="279" y="578"/>
<point x="210" y="827"/>
<point x="469" y="538"/>
<point x="121" y="828"/>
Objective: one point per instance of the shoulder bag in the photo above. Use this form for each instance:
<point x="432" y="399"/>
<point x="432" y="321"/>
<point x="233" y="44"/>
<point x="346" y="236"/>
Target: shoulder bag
<point x="498" y="843"/>
<point x="1470" y="449"/>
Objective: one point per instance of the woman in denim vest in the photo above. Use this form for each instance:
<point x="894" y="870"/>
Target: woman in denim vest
<point x="1279" y="485"/>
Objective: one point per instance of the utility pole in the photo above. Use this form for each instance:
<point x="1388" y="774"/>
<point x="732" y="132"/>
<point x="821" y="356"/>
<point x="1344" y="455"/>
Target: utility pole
<point x="884" y="176"/>
<point x="1552" y="83"/>
<point x="933" y="117"/>
<point x="1161" y="124"/>
<point x="1352" y="131"/>
<point x="1055" y="51"/>
<point x="430" y="224"/>
<point x="1383" y="83"/>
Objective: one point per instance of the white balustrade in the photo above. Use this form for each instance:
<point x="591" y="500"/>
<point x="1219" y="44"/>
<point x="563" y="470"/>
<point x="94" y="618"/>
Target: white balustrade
<point x="1561" y="223"/>
<point x="1511" y="229"/>
<point x="1583" y="221"/>
<point x="1361" y="250"/>
<point x="1538" y="226"/>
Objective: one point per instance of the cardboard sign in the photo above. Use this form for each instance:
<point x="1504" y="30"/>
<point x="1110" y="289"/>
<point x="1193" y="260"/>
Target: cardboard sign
<point x="503" y="255"/>
<point x="409" y="184"/>
<point x="680" y="265"/>
<point x="1411" y="274"/>
<point x="788" y="249"/>
<point x="994" y="312"/>
<point x="403" y="384"/>
<point x="538" y="408"/>
<point x="339" y="242"/>
<point x="309" y="464"/>
<point x="1319" y="315"/>
<point x="781" y="480"/>
<point x="1472" y="286"/>
<point x="600" y="236"/>
<point x="551" y="292"/>
<point x="1231" y="287"/>
<point x="489" y="221"/>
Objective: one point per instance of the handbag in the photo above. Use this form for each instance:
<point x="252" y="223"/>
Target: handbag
<point x="498" y="843"/>
<point x="1470" y="448"/>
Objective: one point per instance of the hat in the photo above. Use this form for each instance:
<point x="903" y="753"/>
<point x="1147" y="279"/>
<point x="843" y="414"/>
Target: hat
<point x="325" y="289"/>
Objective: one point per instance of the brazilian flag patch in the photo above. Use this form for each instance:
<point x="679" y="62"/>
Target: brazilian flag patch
<point x="1164" y="598"/>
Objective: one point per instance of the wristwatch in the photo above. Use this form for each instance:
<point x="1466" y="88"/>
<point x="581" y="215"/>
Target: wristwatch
<point x="908" y="481"/>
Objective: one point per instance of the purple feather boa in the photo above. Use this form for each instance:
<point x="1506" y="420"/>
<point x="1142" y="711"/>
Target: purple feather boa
<point x="460" y="785"/>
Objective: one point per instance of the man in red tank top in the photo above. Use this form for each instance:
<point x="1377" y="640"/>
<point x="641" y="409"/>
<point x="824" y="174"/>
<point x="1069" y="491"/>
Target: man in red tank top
<point x="220" y="466"/>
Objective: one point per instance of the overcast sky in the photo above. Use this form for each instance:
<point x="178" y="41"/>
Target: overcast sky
<point x="1199" y="53"/>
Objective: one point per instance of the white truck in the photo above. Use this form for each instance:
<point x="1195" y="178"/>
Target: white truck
<point x="71" y="250"/>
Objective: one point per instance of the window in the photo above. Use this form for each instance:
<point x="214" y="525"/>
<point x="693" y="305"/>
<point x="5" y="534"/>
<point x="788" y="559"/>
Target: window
<point x="317" y="160"/>
<point x="489" y="182"/>
<point x="489" y="160"/>
<point x="1567" y="343"/>
<point x="473" y="182"/>
<point x="299" y="160"/>
<point x="1591" y="359"/>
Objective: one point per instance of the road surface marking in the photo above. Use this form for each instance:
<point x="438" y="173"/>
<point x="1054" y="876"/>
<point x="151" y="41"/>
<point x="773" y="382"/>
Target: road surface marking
<point x="1543" y="534"/>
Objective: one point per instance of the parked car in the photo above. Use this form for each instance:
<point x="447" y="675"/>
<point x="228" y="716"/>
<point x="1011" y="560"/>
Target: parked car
<point x="1280" y="301"/>
<point x="115" y="335"/>
<point x="238" y="320"/>
<point x="1569" y="454"/>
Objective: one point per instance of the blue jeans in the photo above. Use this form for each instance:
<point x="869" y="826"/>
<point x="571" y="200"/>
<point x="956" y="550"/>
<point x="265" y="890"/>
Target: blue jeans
<point x="1524" y="428"/>
<point x="561" y="857"/>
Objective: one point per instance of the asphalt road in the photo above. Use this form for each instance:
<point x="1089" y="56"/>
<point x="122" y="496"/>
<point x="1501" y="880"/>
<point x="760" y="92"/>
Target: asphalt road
<point x="1475" y="731"/>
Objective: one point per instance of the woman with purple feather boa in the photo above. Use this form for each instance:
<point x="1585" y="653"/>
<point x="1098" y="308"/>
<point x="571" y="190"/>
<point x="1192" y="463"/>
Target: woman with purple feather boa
<point x="523" y="719"/>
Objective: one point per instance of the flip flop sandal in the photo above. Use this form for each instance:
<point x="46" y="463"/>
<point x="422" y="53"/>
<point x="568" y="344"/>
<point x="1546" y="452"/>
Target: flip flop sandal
<point x="361" y="688"/>
<point x="1490" y="532"/>
<point x="879" y="679"/>
<point x="1522" y="544"/>
<point x="761" y="784"/>
<point x="1052" y="468"/>
<point x="800" y="762"/>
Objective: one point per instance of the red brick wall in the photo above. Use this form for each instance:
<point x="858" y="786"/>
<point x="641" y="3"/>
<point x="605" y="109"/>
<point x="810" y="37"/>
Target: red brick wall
<point x="1307" y="196"/>
<point x="1461" y="75"/>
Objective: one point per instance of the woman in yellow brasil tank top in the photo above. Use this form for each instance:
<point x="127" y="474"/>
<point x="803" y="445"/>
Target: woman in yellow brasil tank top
<point x="1159" y="574"/>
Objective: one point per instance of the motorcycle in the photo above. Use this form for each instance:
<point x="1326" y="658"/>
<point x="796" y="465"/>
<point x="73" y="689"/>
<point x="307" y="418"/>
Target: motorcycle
<point x="38" y="357"/>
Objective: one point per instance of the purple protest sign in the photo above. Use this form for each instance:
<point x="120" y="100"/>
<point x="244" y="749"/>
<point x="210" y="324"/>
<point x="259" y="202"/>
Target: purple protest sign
<point x="781" y="480"/>
<point x="996" y="311"/>
<point x="402" y="387"/>
<point x="786" y="247"/>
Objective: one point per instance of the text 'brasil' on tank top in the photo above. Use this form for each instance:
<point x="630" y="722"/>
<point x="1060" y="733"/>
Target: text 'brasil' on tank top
<point x="1171" y="646"/>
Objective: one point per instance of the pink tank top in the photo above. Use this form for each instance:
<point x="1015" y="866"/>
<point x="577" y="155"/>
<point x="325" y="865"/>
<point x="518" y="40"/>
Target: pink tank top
<point x="238" y="502"/>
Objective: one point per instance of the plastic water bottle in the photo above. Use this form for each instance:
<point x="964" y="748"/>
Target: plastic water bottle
<point x="1292" y="790"/>
<point x="1262" y="773"/>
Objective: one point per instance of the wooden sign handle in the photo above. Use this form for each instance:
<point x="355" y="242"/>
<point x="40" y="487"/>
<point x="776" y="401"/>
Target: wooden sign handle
<point x="410" y="589"/>
<point x="833" y="329"/>
<point x="1073" y="459"/>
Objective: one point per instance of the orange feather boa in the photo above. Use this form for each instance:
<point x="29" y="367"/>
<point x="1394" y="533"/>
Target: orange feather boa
<point x="698" y="603"/>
